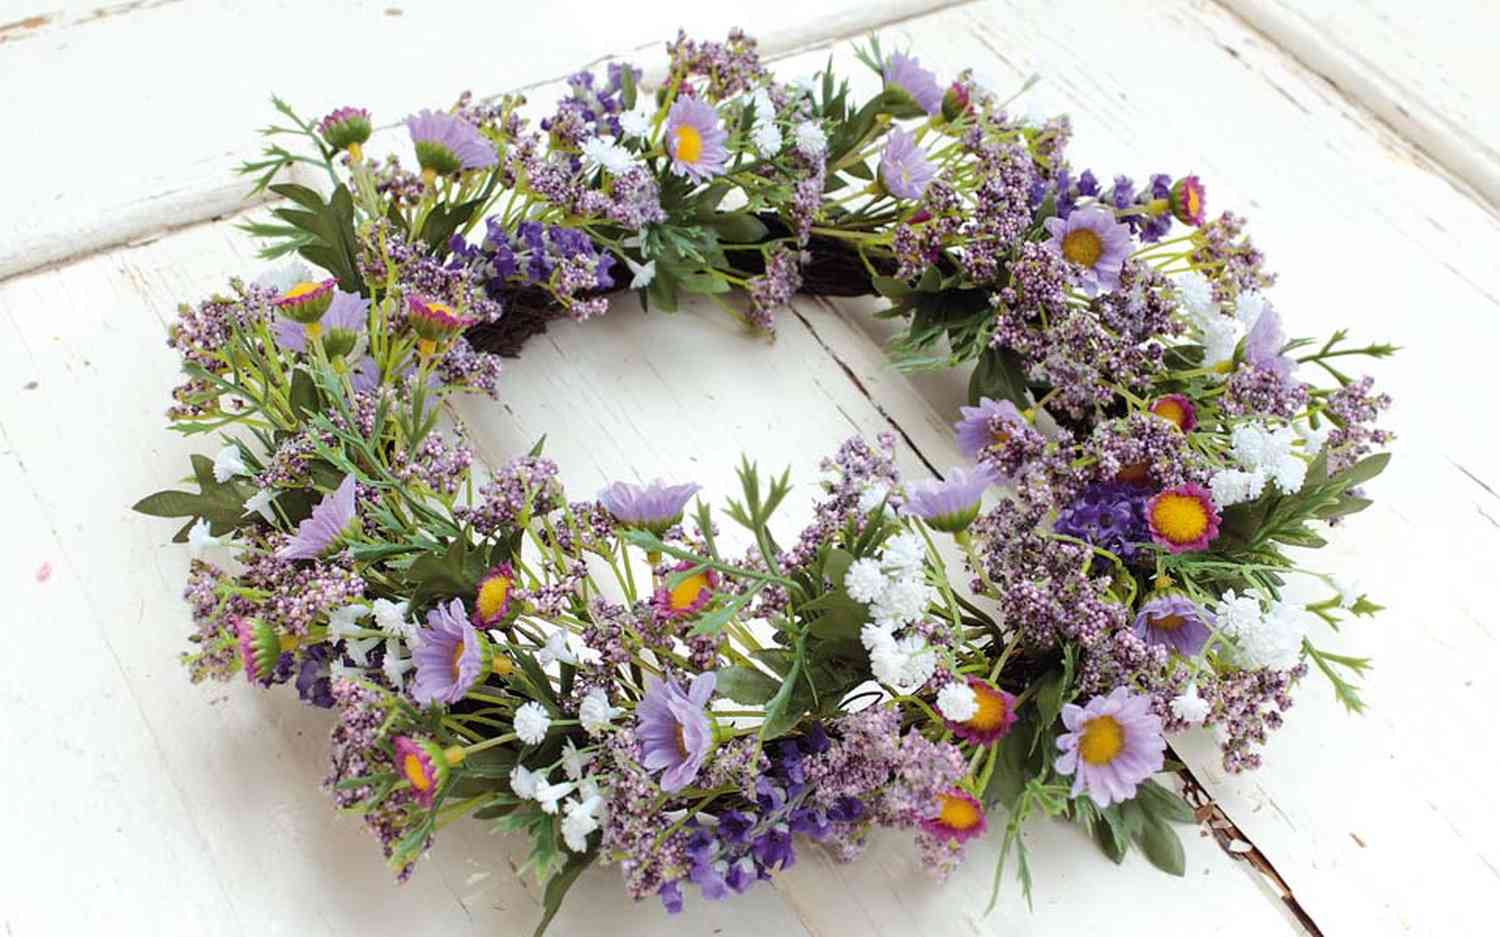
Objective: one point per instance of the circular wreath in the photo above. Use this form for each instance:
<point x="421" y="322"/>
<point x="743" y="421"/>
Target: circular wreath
<point x="598" y="672"/>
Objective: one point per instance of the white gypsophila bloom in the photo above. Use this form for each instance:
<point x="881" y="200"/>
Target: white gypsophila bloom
<point x="1278" y="642"/>
<point x="199" y="538"/>
<point x="1197" y="296"/>
<point x="767" y="139"/>
<point x="588" y="786"/>
<point x="1312" y="437"/>
<point x="1220" y="336"/>
<point x="1189" y="706"/>
<point x="284" y="277"/>
<point x="524" y="782"/>
<point x="556" y="649"/>
<point x="1235" y="614"/>
<point x="594" y="712"/>
<point x="812" y="142"/>
<point x="1234" y="486"/>
<point x="765" y="110"/>
<point x="641" y="275"/>
<point x="957" y="702"/>
<point x="636" y="123"/>
<point x="904" y="600"/>
<point x="227" y="464"/>
<point x="575" y="762"/>
<point x="874" y="636"/>
<point x="549" y="794"/>
<point x="865" y="581"/>
<point x="1248" y="308"/>
<point x="599" y="153"/>
<point x="390" y="617"/>
<point x="580" y="819"/>
<point x="1259" y="448"/>
<point x="344" y="622"/>
<point x="395" y="666"/>
<point x="1350" y="590"/>
<point x="873" y="497"/>
<point x="532" y="723"/>
<point x="260" y="503"/>
<point x="904" y="554"/>
<point x="904" y="664"/>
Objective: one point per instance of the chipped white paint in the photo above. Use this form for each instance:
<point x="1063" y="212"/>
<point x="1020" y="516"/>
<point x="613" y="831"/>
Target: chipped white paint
<point x="140" y="782"/>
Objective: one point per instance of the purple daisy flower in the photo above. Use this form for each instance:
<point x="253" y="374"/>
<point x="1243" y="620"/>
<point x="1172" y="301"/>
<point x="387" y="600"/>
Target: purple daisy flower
<point x="990" y="424"/>
<point x="1092" y="239"/>
<point x="450" y="658"/>
<point x="1264" y="343"/>
<point x="365" y="375"/>
<point x="905" y="170"/>
<point x="655" y="507"/>
<point x="447" y="145"/>
<point x="1111" y="746"/>
<point x="950" y="505"/>
<point x="906" y="72"/>
<point x="1174" y="621"/>
<point x="332" y="519"/>
<point x="675" y="732"/>
<point x="695" y="139"/>
<point x="347" y="318"/>
<point x="1108" y="515"/>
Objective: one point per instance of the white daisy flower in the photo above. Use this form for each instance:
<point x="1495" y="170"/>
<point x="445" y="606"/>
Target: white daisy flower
<point x="344" y="622"/>
<point x="395" y="666"/>
<point x="1197" y="296"/>
<point x="957" y="702"/>
<point x="599" y="153"/>
<point x="532" y="723"/>
<point x="227" y="464"/>
<point x="556" y="649"/>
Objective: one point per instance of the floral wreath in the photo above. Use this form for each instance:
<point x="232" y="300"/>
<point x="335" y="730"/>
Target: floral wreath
<point x="598" y="672"/>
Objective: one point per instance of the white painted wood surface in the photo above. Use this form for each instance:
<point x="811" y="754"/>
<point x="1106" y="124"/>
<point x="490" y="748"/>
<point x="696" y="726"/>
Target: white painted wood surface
<point x="136" y="801"/>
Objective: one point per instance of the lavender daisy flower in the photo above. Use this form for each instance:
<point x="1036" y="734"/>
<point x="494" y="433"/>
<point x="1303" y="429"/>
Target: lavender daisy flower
<point x="347" y="318"/>
<point x="365" y="375"/>
<point x="655" y="507"/>
<point x="450" y="658"/>
<point x="447" y="145"/>
<point x="986" y="425"/>
<point x="1264" y="343"/>
<point x="952" y="504"/>
<point x="1092" y="239"/>
<point x="1174" y="621"/>
<point x="695" y="139"/>
<point x="905" y="170"/>
<point x="1111" y="746"/>
<point x="675" y="732"/>
<point x="332" y="519"/>
<point x="906" y="72"/>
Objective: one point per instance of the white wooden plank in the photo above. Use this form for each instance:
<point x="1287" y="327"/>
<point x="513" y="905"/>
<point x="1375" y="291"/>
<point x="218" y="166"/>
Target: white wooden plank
<point x="129" y="123"/>
<point x="1428" y="71"/>
<point x="1366" y="233"/>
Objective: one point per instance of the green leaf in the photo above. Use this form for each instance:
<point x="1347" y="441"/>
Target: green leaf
<point x="169" y="504"/>
<point x="891" y="287"/>
<point x="557" y="888"/>
<point x="304" y="394"/>
<point x="1109" y="836"/>
<point x="1163" y="803"/>
<point x="838" y="616"/>
<point x="1363" y="470"/>
<point x="1159" y="843"/>
<point x="738" y="228"/>
<point x="746" y="685"/>
<point x="836" y="565"/>
<point x="1298" y="536"/>
<point x="999" y="375"/>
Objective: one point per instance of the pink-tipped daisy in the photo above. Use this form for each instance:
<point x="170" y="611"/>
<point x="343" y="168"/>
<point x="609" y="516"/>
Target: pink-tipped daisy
<point x="993" y="717"/>
<point x="1184" y="518"/>
<point x="960" y="817"/>
<point x="306" y="302"/>
<point x="260" y="648"/>
<point x="1188" y="200"/>
<point x="423" y="765"/>
<point x="690" y="595"/>
<point x="1177" y="410"/>
<point x="492" y="601"/>
<point x="346" y="128"/>
<point x="695" y="140"/>
<point x="433" y="322"/>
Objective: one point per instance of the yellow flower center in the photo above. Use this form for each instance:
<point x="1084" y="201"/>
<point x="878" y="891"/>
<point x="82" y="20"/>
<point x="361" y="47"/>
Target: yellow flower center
<point x="356" y="153"/>
<point x="992" y="710"/>
<point x="458" y="656"/>
<point x="426" y="347"/>
<point x="1103" y="738"/>
<point x="1082" y="247"/>
<point x="492" y="596"/>
<point x="1169" y="622"/>
<point x="1179" y="518"/>
<point x="313" y="330"/>
<point x="301" y="290"/>
<point x="688" y="591"/>
<point x="688" y="146"/>
<point x="501" y="665"/>
<point x="1194" y="201"/>
<point x="958" y="813"/>
<point x="1000" y="437"/>
<point x="412" y="766"/>
<point x="1171" y="411"/>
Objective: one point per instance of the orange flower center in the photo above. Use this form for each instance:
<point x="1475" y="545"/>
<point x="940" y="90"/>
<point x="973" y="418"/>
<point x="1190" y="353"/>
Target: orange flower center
<point x="1001" y="437"/>
<point x="1194" y="201"/>
<point x="301" y="290"/>
<point x="682" y="748"/>
<point x="992" y="710"/>
<point x="686" y="592"/>
<point x="1180" y="518"/>
<point x="492" y="596"/>
<point x="1171" y="411"/>
<point x="688" y="144"/>
<point x="416" y="772"/>
<point x="958" y="813"/>
<point x="1169" y="622"/>
<point x="1082" y="247"/>
<point x="1103" y="738"/>
<point x="458" y="656"/>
